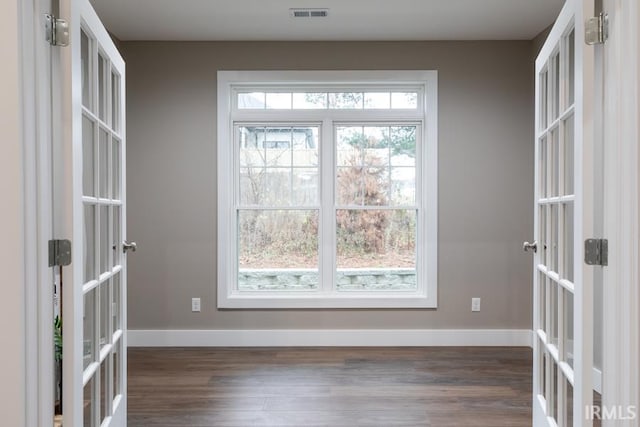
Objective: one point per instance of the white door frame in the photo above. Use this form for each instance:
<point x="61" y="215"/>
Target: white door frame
<point x="622" y="216"/>
<point x="621" y="291"/>
<point x="14" y="406"/>
<point x="35" y="86"/>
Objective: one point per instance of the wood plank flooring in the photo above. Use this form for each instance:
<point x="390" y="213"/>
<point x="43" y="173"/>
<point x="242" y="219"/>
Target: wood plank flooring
<point x="435" y="386"/>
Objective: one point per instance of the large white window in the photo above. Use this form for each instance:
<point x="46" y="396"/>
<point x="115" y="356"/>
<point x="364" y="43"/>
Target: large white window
<point x="327" y="189"/>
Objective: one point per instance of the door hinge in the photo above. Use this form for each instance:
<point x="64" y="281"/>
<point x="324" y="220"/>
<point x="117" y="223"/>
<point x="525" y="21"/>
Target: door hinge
<point x="59" y="252"/>
<point x="596" y="251"/>
<point x="596" y="29"/>
<point x="56" y="31"/>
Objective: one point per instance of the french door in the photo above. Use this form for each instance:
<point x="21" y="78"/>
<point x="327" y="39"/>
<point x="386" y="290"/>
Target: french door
<point x="563" y="283"/>
<point x="91" y="209"/>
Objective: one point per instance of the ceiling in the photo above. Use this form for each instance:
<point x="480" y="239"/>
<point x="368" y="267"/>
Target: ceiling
<point x="348" y="19"/>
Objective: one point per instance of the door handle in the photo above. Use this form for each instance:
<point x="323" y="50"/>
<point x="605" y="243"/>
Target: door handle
<point x="129" y="246"/>
<point x="530" y="246"/>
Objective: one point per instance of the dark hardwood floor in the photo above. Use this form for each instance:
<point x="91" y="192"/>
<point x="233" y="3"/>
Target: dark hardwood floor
<point x="435" y="386"/>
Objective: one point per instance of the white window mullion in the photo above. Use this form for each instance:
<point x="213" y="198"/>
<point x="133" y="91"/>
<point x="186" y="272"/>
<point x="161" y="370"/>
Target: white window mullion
<point x="327" y="228"/>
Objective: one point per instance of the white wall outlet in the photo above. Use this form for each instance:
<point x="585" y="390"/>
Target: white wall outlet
<point x="475" y="304"/>
<point x="195" y="305"/>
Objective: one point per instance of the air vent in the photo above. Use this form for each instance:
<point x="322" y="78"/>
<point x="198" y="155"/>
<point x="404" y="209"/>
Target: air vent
<point x="309" y="13"/>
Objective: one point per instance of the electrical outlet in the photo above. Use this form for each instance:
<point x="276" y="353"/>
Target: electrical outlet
<point x="475" y="304"/>
<point x="195" y="305"/>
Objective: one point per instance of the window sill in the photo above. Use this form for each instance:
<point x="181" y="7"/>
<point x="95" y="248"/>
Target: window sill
<point x="341" y="300"/>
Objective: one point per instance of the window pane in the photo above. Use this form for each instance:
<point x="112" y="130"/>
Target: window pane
<point x="309" y="100"/>
<point x="89" y="315"/>
<point x="544" y="91"/>
<point x="102" y="88"/>
<point x="104" y="401"/>
<point x="116" y="239"/>
<point x="568" y="242"/>
<point x="376" y="145"/>
<point x="88" y="403"/>
<point x="278" y="165"/>
<point x="115" y="101"/>
<point x="555" y="163"/>
<point x="552" y="400"/>
<point x="568" y="155"/>
<point x="568" y="327"/>
<point x="85" y="60"/>
<point x="349" y="145"/>
<point x="376" y="250"/>
<point x="377" y="100"/>
<point x="346" y="100"/>
<point x="277" y="146"/>
<point x="553" y="250"/>
<point x="552" y="333"/>
<point x="542" y="233"/>
<point x="366" y="180"/>
<point x="402" y="143"/>
<point x="305" y="187"/>
<point x="254" y="100"/>
<point x="105" y="301"/>
<point x="252" y="186"/>
<point x="569" y="402"/>
<point x="556" y="85"/>
<point x="349" y="185"/>
<point x="278" y="187"/>
<point x="251" y="142"/>
<point x="305" y="146"/>
<point x="408" y="100"/>
<point x="115" y="168"/>
<point x="278" y="250"/>
<point x="542" y="167"/>
<point x="403" y="186"/>
<point x="278" y="101"/>
<point x="103" y="151"/>
<point x="104" y="242"/>
<point x="116" y="301"/>
<point x="117" y="356"/>
<point x="366" y="156"/>
<point x="89" y="243"/>
<point x="571" y="65"/>
<point x="542" y="285"/>
<point x="88" y="178"/>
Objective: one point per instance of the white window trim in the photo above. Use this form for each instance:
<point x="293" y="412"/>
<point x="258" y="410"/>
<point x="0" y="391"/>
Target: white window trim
<point x="426" y="294"/>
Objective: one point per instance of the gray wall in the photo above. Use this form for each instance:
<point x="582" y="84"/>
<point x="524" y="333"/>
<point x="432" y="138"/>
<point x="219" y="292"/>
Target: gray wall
<point x="538" y="41"/>
<point x="485" y="179"/>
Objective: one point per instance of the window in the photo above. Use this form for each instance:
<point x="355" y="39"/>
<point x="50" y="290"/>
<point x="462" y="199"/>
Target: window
<point x="327" y="191"/>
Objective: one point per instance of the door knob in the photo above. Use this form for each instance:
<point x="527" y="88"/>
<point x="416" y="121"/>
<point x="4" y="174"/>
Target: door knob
<point x="530" y="246"/>
<point x="129" y="246"/>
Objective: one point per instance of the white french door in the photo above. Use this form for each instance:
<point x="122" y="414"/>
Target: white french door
<point x="92" y="210"/>
<point x="563" y="283"/>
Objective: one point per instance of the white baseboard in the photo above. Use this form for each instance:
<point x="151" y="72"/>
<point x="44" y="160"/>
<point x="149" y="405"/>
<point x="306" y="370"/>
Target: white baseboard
<point x="329" y="338"/>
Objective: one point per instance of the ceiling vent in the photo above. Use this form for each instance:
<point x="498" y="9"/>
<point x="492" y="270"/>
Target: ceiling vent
<point x="309" y="13"/>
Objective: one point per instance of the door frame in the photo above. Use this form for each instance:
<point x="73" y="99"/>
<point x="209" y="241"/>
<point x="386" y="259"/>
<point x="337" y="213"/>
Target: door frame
<point x="618" y="384"/>
<point x="41" y="165"/>
<point x="36" y="141"/>
<point x="621" y="290"/>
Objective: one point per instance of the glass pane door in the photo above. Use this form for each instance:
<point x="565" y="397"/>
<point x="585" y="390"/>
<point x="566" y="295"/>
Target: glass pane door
<point x="101" y="168"/>
<point x="94" y="323"/>
<point x="561" y="290"/>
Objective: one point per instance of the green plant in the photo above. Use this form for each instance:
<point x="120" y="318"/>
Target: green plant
<point x="57" y="338"/>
